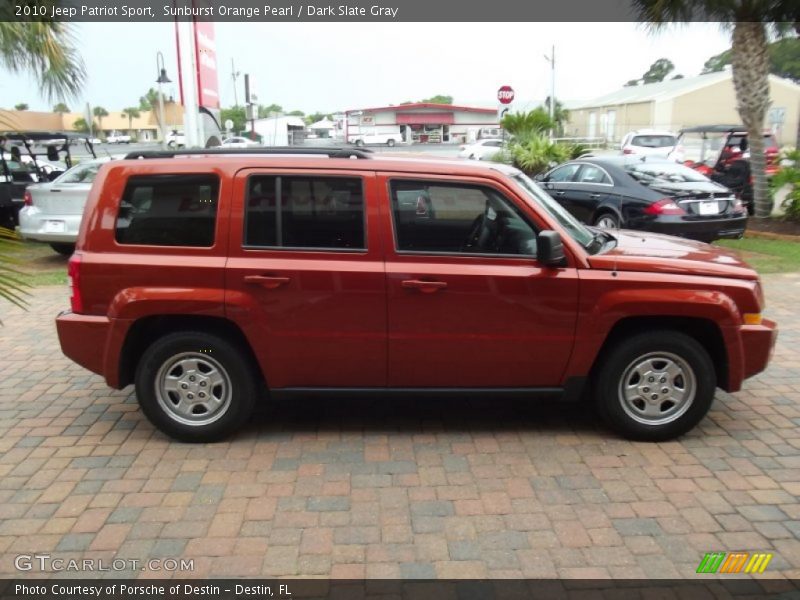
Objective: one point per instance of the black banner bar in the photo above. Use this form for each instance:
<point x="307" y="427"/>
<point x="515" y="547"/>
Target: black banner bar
<point x="739" y="588"/>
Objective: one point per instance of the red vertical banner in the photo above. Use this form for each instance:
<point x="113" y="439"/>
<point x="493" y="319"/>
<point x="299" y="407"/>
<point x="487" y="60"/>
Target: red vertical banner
<point x="206" y="53"/>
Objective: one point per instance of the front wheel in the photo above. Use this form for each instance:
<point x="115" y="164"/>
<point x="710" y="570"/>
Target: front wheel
<point x="390" y="143"/>
<point x="655" y="386"/>
<point x="196" y="387"/>
<point x="360" y="143"/>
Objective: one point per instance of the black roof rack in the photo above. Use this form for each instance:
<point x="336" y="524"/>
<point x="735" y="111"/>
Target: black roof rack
<point x="333" y="152"/>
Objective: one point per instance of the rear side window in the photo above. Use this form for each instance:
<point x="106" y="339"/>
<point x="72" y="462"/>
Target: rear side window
<point x="169" y="210"/>
<point x="315" y="212"/>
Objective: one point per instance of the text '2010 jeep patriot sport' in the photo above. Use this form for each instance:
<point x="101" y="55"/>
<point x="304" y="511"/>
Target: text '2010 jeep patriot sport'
<point x="200" y="276"/>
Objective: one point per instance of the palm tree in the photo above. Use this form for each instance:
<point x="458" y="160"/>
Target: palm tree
<point x="46" y="50"/>
<point x="99" y="112"/>
<point x="150" y="102"/>
<point x="61" y="108"/>
<point x="132" y="112"/>
<point x="750" y="23"/>
<point x="21" y="106"/>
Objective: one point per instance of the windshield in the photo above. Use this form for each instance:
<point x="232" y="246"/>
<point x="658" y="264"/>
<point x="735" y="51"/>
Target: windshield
<point x="576" y="230"/>
<point x="648" y="173"/>
<point x="80" y="174"/>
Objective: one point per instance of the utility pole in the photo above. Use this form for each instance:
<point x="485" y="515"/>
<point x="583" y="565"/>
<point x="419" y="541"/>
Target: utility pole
<point x="234" y="75"/>
<point x="250" y="108"/>
<point x="552" y="60"/>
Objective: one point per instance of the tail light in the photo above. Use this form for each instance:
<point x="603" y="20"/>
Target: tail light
<point x="738" y="207"/>
<point x="74" y="276"/>
<point x="28" y="198"/>
<point x="665" y="206"/>
<point x="627" y="151"/>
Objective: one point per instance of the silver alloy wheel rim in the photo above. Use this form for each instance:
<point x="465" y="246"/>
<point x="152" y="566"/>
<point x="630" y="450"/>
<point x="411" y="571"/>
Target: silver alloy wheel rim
<point x="657" y="388"/>
<point x="606" y="223"/>
<point x="193" y="389"/>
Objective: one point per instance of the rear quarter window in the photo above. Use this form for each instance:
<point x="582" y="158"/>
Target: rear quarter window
<point x="168" y="210"/>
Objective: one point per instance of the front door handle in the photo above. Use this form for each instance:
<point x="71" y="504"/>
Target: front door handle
<point x="560" y="193"/>
<point x="426" y="287"/>
<point x="266" y="281"/>
<point x="594" y="196"/>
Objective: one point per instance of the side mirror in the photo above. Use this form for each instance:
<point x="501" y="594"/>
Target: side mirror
<point x="550" y="249"/>
<point x="540" y="177"/>
<point x="52" y="153"/>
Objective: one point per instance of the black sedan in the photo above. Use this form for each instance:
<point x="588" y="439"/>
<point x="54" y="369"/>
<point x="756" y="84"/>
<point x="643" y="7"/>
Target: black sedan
<point x="648" y="194"/>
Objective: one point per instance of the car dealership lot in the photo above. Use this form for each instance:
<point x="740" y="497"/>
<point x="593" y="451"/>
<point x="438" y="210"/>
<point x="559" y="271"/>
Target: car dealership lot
<point x="382" y="488"/>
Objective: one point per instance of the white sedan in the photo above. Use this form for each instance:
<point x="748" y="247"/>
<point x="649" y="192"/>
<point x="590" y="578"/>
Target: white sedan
<point x="238" y="142"/>
<point x="481" y="150"/>
<point x="53" y="211"/>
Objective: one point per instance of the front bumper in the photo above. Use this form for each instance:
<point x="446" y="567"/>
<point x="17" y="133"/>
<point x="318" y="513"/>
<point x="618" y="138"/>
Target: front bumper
<point x="705" y="230"/>
<point x="758" y="344"/>
<point x="45" y="227"/>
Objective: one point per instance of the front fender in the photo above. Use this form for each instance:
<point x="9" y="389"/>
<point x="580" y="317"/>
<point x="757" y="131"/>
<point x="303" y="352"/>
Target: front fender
<point x="600" y="314"/>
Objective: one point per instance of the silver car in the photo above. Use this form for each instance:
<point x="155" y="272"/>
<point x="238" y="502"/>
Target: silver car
<point x="53" y="211"/>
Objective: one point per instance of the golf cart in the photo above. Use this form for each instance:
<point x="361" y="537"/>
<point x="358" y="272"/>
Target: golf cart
<point x="20" y="166"/>
<point x="721" y="153"/>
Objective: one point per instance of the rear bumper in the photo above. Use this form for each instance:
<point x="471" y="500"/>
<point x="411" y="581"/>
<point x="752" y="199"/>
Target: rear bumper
<point x="83" y="339"/>
<point x="758" y="344"/>
<point x="706" y="230"/>
<point x="45" y="227"/>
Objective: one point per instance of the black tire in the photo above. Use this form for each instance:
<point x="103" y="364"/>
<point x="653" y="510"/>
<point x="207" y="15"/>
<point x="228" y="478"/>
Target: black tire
<point x="390" y="143"/>
<point x="63" y="248"/>
<point x="615" y="369"/>
<point x="171" y="144"/>
<point x="360" y="143"/>
<point x="608" y="217"/>
<point x="236" y="371"/>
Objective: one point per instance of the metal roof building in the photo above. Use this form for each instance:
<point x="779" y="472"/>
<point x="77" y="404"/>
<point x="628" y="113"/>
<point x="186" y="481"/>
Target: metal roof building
<point x="677" y="103"/>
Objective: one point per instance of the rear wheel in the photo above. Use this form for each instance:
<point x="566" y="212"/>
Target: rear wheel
<point x="359" y="143"/>
<point x="196" y="387"/>
<point x="607" y="220"/>
<point x="655" y="386"/>
<point x="390" y="143"/>
<point x="63" y="249"/>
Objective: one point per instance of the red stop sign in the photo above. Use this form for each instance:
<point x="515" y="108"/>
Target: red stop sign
<point x="505" y="94"/>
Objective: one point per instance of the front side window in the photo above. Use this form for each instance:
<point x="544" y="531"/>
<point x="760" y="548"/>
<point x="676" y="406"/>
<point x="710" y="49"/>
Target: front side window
<point x="592" y="174"/>
<point x="563" y="174"/>
<point x="458" y="218"/>
<point x="169" y="210"/>
<point x="305" y="212"/>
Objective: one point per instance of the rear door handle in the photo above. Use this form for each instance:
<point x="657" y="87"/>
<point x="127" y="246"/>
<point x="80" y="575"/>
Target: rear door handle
<point x="426" y="287"/>
<point x="266" y="281"/>
<point x="560" y="193"/>
<point x="594" y="196"/>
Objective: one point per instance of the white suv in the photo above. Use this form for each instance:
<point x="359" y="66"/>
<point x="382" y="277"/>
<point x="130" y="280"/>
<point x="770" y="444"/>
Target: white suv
<point x="649" y="142"/>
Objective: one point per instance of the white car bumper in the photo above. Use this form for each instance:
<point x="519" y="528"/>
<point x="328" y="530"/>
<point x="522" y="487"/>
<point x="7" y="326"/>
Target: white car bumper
<point x="35" y="225"/>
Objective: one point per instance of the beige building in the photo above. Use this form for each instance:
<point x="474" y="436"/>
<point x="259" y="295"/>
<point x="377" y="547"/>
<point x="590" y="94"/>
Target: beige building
<point x="678" y="103"/>
<point x="143" y="128"/>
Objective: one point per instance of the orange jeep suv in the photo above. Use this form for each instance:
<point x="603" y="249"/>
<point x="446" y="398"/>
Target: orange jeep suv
<point x="207" y="277"/>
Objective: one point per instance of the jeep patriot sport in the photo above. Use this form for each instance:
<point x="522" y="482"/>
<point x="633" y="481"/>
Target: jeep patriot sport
<point x="206" y="277"/>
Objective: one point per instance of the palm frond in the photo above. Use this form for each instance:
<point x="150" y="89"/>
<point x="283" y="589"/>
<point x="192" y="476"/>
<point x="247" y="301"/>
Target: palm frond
<point x="13" y="287"/>
<point x="47" y="50"/>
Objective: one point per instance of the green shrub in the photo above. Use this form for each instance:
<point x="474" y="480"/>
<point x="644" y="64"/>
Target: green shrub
<point x="789" y="174"/>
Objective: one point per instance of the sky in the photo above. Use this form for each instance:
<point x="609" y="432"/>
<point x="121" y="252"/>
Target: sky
<point x="328" y="67"/>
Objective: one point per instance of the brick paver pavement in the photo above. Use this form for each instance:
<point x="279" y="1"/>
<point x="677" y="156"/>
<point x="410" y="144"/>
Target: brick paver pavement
<point x="406" y="489"/>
